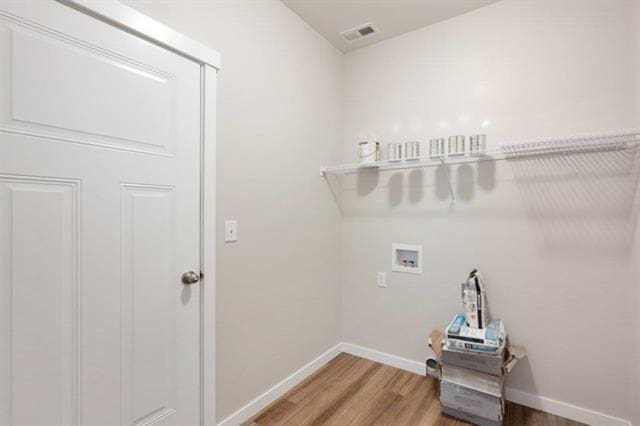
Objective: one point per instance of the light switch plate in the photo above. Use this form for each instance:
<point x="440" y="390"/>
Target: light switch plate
<point x="230" y="231"/>
<point x="382" y="279"/>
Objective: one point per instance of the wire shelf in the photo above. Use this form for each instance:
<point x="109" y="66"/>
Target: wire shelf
<point x="612" y="141"/>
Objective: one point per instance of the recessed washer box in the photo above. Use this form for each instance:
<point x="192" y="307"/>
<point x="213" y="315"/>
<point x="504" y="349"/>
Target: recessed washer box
<point x="406" y="258"/>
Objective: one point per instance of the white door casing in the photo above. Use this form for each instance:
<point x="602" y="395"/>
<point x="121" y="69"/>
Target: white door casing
<point x="101" y="137"/>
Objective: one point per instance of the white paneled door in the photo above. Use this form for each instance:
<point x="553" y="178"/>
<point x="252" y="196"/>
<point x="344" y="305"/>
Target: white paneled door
<point x="99" y="219"/>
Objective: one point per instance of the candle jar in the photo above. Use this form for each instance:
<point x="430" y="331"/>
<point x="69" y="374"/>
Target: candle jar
<point x="478" y="144"/>
<point x="436" y="148"/>
<point x="456" y="146"/>
<point x="412" y="150"/>
<point x="394" y="152"/>
<point x="368" y="152"/>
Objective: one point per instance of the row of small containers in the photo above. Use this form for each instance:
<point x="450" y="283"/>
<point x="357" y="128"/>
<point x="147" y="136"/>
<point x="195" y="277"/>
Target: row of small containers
<point x="472" y="383"/>
<point x="369" y="151"/>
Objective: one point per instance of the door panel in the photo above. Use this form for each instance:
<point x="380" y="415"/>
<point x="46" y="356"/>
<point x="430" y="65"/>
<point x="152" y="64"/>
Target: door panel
<point x="110" y="88"/>
<point x="39" y="299"/>
<point x="99" y="217"/>
<point x="48" y="100"/>
<point x="148" y="314"/>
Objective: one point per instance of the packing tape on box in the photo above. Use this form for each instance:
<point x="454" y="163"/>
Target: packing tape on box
<point x="433" y="364"/>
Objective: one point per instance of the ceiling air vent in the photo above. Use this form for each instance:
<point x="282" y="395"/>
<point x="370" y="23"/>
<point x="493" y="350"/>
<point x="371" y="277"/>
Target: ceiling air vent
<point x="358" y="32"/>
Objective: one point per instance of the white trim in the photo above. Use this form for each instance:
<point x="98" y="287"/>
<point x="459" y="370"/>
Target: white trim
<point x="562" y="409"/>
<point x="385" y="358"/>
<point x="130" y="20"/>
<point x="208" y="247"/>
<point x="261" y="402"/>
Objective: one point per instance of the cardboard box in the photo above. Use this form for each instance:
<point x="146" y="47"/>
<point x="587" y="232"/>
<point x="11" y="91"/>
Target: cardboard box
<point x="434" y="355"/>
<point x="472" y="392"/>
<point x="495" y="364"/>
<point x="435" y="342"/>
<point x="486" y="363"/>
<point x="481" y="382"/>
<point x="471" y="401"/>
<point x="471" y="418"/>
<point x="472" y="384"/>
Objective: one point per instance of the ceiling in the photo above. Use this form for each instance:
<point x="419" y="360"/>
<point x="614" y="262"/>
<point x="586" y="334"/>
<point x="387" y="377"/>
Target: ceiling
<point x="389" y="17"/>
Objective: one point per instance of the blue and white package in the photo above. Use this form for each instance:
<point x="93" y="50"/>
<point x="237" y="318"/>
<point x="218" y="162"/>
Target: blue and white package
<point x="489" y="340"/>
<point x="457" y="323"/>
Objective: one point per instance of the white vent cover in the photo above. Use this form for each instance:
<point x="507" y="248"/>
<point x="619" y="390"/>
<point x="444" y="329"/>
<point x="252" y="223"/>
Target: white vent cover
<point x="358" y="32"/>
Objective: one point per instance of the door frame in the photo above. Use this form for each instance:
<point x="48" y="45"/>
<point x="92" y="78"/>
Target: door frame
<point x="130" y="20"/>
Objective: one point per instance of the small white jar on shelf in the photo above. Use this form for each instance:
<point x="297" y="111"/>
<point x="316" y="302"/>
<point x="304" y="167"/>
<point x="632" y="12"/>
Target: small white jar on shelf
<point x="456" y="146"/>
<point x="412" y="150"/>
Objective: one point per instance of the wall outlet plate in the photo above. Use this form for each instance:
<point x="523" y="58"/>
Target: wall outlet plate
<point x="406" y="258"/>
<point x="230" y="231"/>
<point x="381" y="280"/>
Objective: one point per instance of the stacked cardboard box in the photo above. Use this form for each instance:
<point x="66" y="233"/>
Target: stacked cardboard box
<point x="472" y="381"/>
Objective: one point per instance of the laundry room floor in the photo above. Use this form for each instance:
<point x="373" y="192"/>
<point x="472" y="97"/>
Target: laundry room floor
<point x="354" y="391"/>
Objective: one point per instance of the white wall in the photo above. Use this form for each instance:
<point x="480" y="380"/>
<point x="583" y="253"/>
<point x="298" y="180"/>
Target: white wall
<point x="635" y="392"/>
<point x="551" y="236"/>
<point x="279" y="118"/>
<point x="635" y="265"/>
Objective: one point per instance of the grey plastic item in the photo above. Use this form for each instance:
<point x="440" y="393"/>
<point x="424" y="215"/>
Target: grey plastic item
<point x="432" y="364"/>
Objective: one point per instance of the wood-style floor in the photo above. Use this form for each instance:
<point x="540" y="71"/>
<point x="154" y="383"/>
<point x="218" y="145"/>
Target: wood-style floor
<point x="355" y="391"/>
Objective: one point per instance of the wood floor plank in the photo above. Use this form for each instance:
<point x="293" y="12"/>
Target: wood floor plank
<point x="276" y="414"/>
<point x="376" y="414"/>
<point x="415" y="405"/>
<point x="344" y="397"/>
<point x="354" y="391"/>
<point x="327" y="391"/>
<point x="324" y="378"/>
<point x="367" y="400"/>
<point x="401" y="382"/>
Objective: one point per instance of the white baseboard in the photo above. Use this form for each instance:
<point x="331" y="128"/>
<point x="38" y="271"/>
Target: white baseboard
<point x="261" y="402"/>
<point x="563" y="409"/>
<point x="541" y="403"/>
<point x="537" y="402"/>
<point x="385" y="358"/>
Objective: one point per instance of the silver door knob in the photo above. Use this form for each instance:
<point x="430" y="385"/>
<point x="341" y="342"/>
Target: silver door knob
<point x="190" y="277"/>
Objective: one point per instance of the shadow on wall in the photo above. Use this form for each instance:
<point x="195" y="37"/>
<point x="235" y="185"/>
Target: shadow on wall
<point x="581" y="203"/>
<point x="335" y="186"/>
<point x="523" y="373"/>
<point x="395" y="189"/>
<point x="481" y="174"/>
<point x="463" y="187"/>
<point x="367" y="182"/>
<point x="465" y="182"/>
<point x="416" y="188"/>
